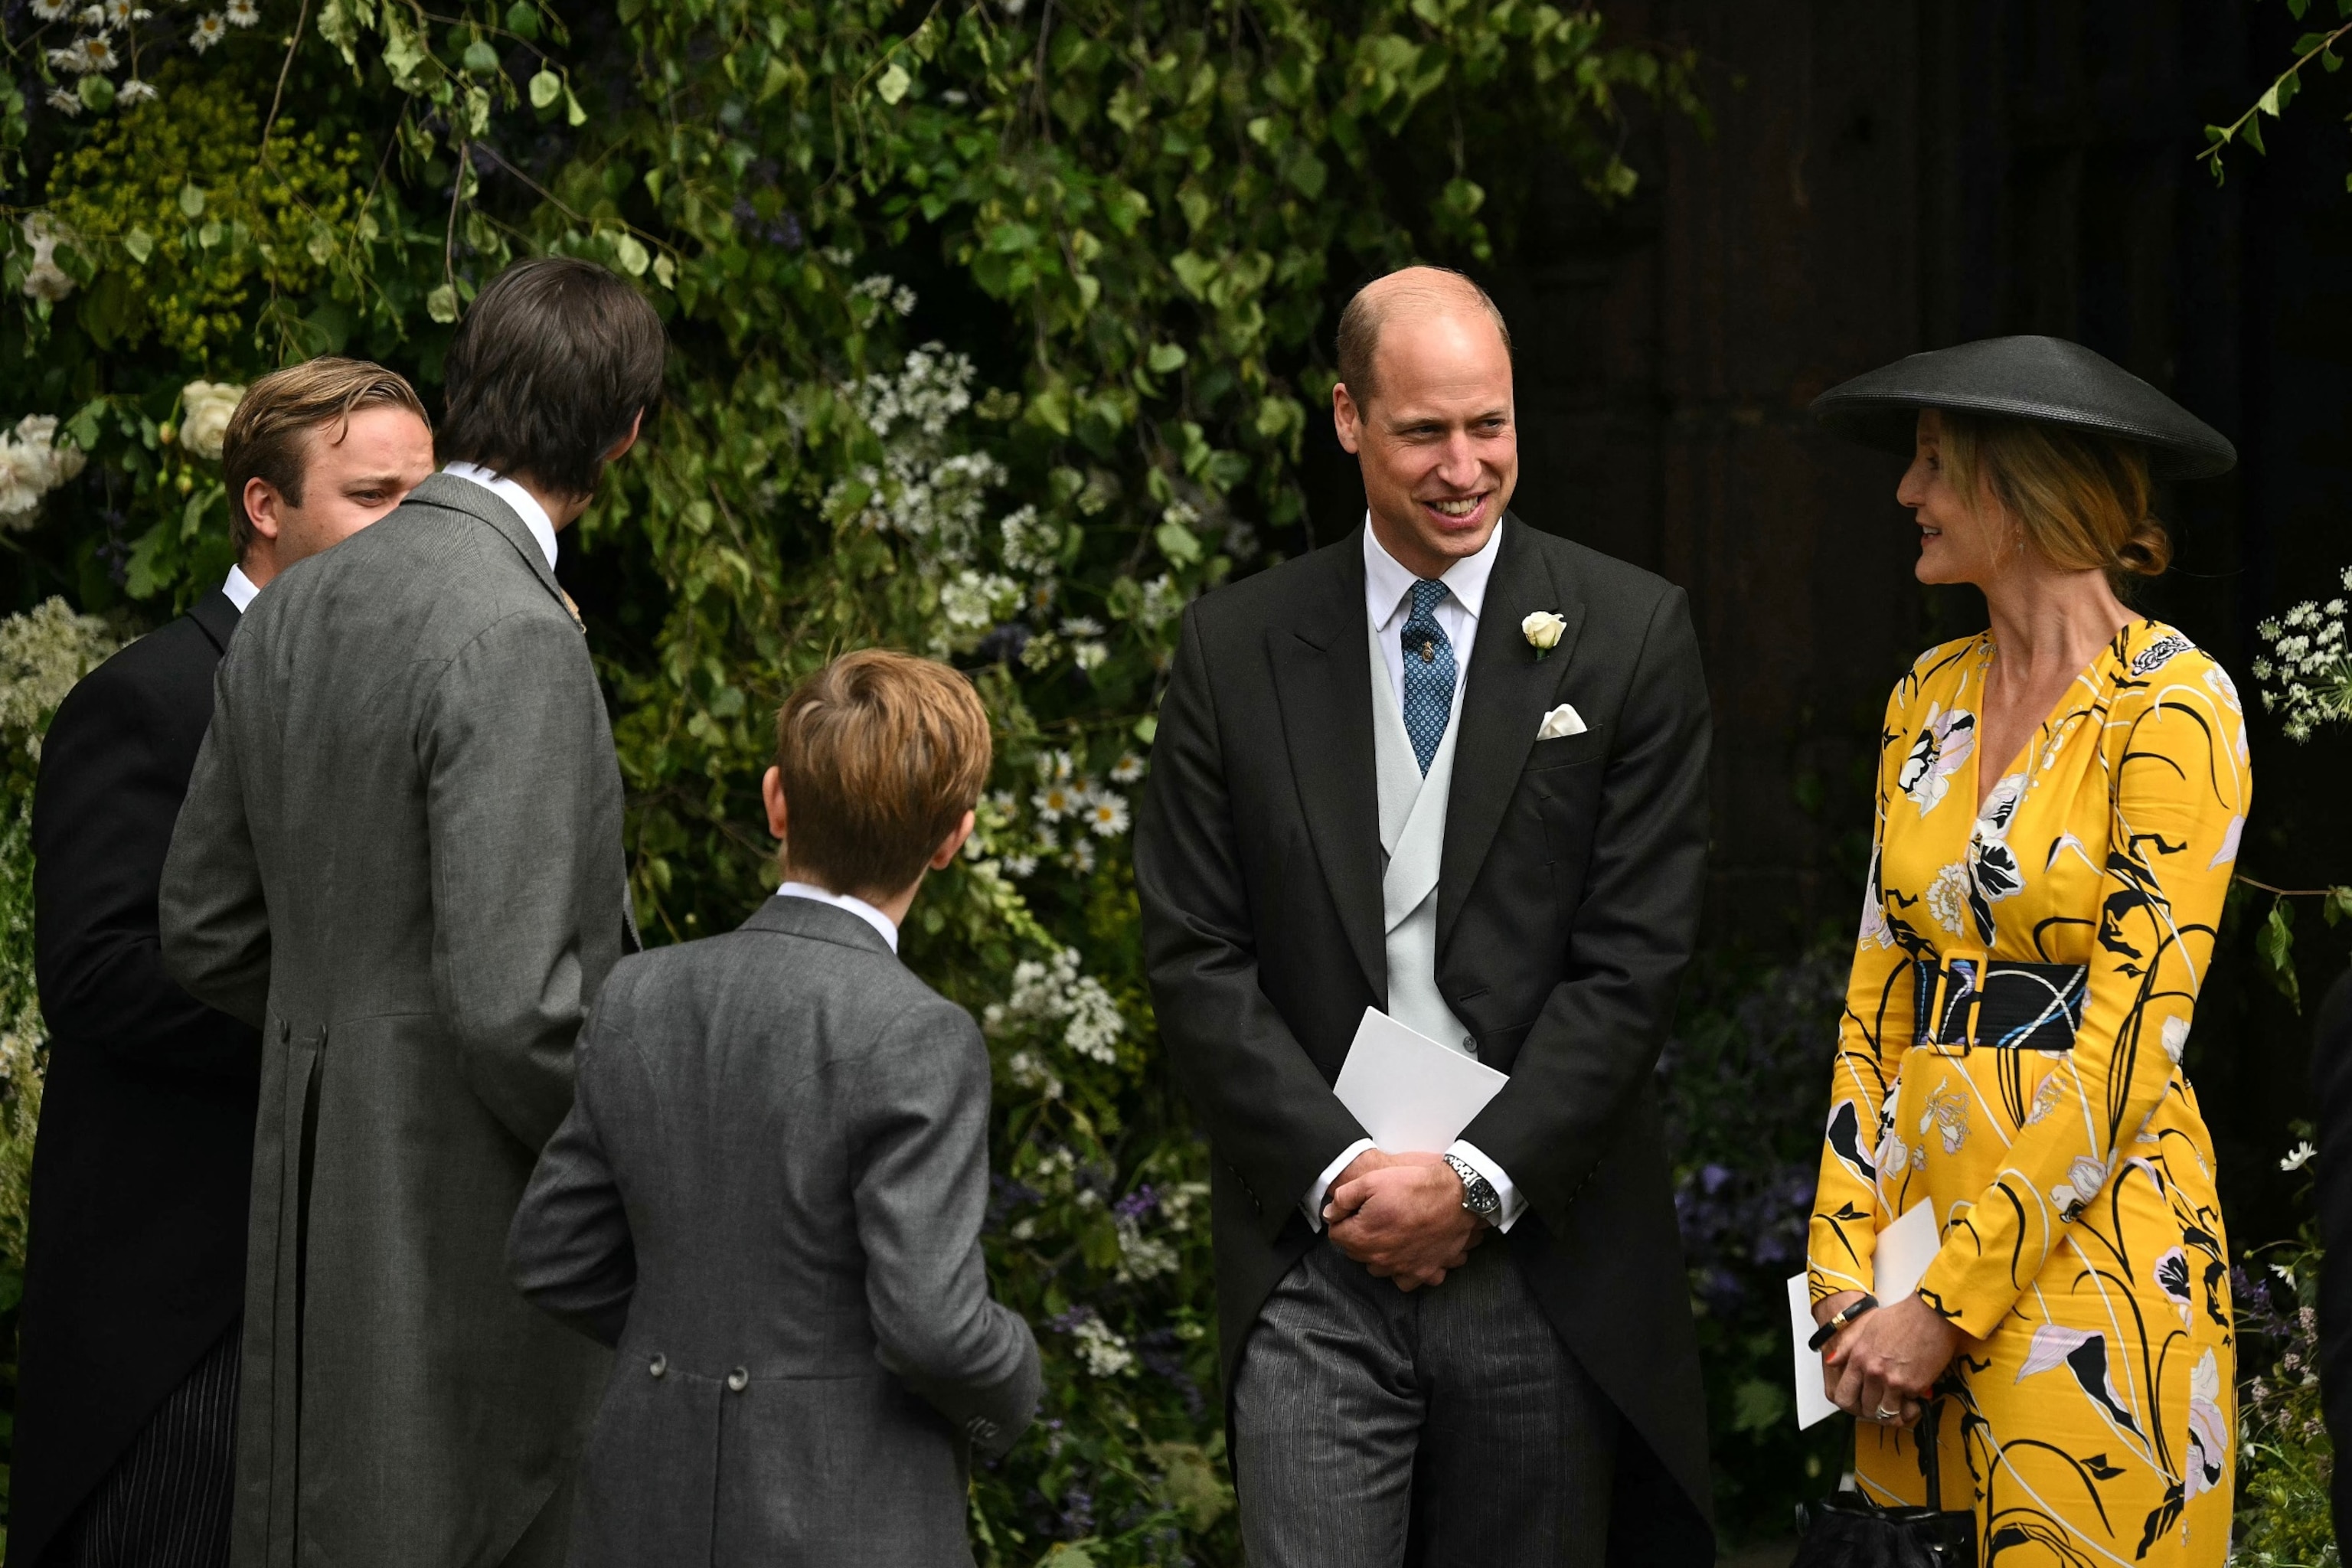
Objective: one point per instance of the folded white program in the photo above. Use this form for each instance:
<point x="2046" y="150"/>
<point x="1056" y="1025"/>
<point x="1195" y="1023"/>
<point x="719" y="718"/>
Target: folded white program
<point x="1412" y="1094"/>
<point x="1905" y="1249"/>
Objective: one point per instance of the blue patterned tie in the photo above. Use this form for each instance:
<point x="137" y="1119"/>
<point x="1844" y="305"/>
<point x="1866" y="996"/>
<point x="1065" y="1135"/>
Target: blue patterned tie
<point x="1428" y="672"/>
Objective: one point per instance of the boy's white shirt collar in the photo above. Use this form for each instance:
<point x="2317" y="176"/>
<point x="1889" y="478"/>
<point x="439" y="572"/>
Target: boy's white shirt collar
<point x="854" y="905"/>
<point x="239" y="589"/>
<point x="1387" y="581"/>
<point x="534" y="516"/>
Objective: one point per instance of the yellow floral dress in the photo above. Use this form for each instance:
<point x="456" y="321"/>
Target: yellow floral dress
<point x="2023" y="987"/>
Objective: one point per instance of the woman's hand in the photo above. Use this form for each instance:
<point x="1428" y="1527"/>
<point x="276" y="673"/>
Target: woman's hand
<point x="1883" y="1365"/>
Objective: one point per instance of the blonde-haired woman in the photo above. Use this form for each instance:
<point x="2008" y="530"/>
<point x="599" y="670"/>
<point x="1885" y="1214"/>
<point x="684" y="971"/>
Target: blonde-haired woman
<point x="2060" y="799"/>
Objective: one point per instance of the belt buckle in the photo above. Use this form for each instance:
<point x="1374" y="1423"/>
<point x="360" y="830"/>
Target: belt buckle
<point x="1942" y="1039"/>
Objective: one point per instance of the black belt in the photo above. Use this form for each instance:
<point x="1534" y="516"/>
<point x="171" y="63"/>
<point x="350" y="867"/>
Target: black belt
<point x="1981" y="1003"/>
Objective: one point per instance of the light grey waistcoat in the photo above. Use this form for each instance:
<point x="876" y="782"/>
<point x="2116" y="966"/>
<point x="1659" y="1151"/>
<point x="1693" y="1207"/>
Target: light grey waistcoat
<point x="1413" y="846"/>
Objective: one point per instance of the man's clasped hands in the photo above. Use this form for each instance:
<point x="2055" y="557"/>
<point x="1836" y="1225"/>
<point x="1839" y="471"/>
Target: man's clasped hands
<point x="1400" y="1217"/>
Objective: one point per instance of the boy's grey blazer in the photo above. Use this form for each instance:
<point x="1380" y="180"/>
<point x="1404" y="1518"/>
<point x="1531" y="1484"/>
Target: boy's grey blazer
<point x="401" y="855"/>
<point x="768" y="1196"/>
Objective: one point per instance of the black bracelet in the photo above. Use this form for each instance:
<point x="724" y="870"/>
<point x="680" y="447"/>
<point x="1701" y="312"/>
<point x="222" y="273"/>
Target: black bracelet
<point x="1829" y="1331"/>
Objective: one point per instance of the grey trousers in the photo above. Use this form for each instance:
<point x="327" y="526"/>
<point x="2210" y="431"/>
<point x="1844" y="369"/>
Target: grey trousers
<point x="1446" y="1425"/>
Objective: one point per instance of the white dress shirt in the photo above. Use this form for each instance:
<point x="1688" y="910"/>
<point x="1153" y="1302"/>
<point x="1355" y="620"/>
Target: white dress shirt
<point x="1387" y="603"/>
<point x="855" y="906"/>
<point x="239" y="589"/>
<point x="534" y="516"/>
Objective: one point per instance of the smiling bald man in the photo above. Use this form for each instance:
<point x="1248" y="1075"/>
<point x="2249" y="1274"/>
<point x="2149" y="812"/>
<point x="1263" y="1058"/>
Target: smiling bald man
<point x="1454" y="769"/>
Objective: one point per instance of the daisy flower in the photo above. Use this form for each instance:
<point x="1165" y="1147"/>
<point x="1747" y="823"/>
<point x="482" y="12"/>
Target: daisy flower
<point x="1057" y="801"/>
<point x="51" y="10"/>
<point x="1127" y="769"/>
<point x="136" y="92"/>
<point x="209" y="30"/>
<point x="84" y="55"/>
<point x="242" y="13"/>
<point x="1106" y="815"/>
<point x="64" y="102"/>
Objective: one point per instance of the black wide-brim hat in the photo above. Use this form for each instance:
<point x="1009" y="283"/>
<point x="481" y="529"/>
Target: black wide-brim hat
<point x="2046" y="379"/>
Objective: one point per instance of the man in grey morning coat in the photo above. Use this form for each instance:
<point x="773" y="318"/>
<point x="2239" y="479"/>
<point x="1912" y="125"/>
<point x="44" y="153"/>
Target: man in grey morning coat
<point x="401" y="856"/>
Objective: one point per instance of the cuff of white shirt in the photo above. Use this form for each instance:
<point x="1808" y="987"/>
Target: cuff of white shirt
<point x="1312" y="1204"/>
<point x="1514" y="1203"/>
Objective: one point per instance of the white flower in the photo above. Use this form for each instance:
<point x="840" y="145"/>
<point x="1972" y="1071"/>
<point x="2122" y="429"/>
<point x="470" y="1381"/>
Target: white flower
<point x="209" y="30"/>
<point x="1082" y="627"/>
<point x="51" y="10"/>
<point x="135" y="91"/>
<point x="2084" y="1177"/>
<point x="1127" y="769"/>
<point x="1543" y="630"/>
<point x="1020" y="866"/>
<point x="241" y="13"/>
<point x="1099" y="1346"/>
<point x="1947" y="897"/>
<point x="117" y="13"/>
<point x="32" y="463"/>
<point x="204" y="410"/>
<point x="1106" y="815"/>
<point x="84" y="55"/>
<point x="1089" y="655"/>
<point x="68" y="104"/>
<point x="1056" y="801"/>
<point x="2298" y="1157"/>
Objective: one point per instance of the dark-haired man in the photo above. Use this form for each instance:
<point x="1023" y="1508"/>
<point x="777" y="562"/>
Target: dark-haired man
<point x="1454" y="769"/>
<point x="126" y="1396"/>
<point x="401" y="856"/>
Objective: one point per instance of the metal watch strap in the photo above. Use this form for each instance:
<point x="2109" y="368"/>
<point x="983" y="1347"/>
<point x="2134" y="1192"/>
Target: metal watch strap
<point x="1477" y="1192"/>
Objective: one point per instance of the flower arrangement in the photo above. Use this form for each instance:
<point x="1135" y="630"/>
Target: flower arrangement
<point x="33" y="462"/>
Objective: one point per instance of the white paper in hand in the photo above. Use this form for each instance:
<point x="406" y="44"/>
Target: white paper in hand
<point x="1898" y="1263"/>
<point x="1410" y="1094"/>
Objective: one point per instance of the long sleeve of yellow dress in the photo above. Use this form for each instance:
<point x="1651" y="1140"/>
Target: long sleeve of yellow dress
<point x="2179" y="787"/>
<point x="1874" y="1031"/>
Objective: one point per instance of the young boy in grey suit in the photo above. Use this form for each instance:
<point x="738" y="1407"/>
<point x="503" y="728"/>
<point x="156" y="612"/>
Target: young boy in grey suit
<point x="768" y="1195"/>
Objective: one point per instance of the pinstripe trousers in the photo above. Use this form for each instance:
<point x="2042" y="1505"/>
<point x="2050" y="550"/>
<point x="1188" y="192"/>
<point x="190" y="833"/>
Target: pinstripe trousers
<point x="166" y="1503"/>
<point x="1375" y="1429"/>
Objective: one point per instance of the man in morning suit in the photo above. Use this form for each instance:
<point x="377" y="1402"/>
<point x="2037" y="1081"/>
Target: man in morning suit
<point x="126" y="1400"/>
<point x="401" y="856"/>
<point x="1453" y="768"/>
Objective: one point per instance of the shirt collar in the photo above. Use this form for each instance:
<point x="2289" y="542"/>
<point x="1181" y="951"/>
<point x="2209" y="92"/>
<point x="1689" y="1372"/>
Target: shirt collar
<point x="239" y="589"/>
<point x="1387" y="582"/>
<point x="855" y="906"/>
<point x="534" y="516"/>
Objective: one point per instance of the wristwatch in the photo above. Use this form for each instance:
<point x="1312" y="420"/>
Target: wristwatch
<point x="1477" y="1192"/>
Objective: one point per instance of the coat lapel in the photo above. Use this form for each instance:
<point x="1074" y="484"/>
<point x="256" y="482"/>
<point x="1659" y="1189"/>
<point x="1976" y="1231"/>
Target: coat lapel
<point x="215" y="615"/>
<point x="449" y="491"/>
<point x="1509" y="692"/>
<point x="1323" y="678"/>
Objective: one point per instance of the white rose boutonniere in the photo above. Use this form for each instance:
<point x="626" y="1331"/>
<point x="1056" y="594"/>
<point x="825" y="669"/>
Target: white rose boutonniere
<point x="1542" y="631"/>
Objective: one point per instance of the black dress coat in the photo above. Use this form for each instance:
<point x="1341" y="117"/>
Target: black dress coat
<point x="2331" y="1074"/>
<point x="144" y="1153"/>
<point x="1568" y="901"/>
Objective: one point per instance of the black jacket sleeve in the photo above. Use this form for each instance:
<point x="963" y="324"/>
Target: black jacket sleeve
<point x="1599" y="1037"/>
<point x="1271" y="1117"/>
<point x="113" y="769"/>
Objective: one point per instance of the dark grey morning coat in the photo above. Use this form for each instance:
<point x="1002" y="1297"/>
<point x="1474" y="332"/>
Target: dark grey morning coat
<point x="401" y="855"/>
<point x="769" y="1194"/>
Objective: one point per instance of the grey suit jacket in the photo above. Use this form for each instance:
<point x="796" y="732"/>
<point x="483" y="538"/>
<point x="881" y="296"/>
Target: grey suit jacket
<point x="768" y="1196"/>
<point x="401" y="855"/>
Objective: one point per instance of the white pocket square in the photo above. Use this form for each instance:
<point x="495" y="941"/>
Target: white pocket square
<point x="1563" y="720"/>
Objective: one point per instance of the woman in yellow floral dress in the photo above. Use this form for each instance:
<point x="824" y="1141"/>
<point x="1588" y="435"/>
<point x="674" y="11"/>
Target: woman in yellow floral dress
<point x="2060" y="799"/>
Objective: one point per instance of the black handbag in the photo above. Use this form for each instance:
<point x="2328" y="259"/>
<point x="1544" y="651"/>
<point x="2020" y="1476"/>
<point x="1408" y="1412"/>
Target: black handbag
<point x="1846" y="1530"/>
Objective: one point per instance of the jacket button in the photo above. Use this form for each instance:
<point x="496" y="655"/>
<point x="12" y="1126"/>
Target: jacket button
<point x="658" y="1365"/>
<point x="738" y="1380"/>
